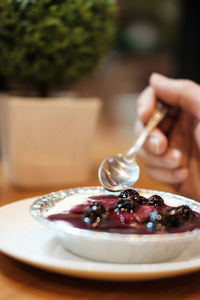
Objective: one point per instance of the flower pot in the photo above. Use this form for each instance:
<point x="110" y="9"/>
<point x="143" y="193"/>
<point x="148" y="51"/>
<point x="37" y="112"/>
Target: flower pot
<point x="47" y="142"/>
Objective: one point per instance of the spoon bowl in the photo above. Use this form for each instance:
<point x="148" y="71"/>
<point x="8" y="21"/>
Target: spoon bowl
<point x="121" y="171"/>
<point x="117" y="173"/>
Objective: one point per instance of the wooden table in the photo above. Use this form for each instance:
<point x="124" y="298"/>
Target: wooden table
<point x="19" y="281"/>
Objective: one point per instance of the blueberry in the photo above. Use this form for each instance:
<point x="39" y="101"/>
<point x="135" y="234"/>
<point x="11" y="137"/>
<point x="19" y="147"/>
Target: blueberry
<point x="155" y="200"/>
<point x="128" y="194"/>
<point x="129" y="205"/>
<point x="156" y="226"/>
<point x="157" y="222"/>
<point x="131" y="194"/>
<point x="94" y="215"/>
<point x="97" y="207"/>
<point x="91" y="218"/>
<point x="185" y="212"/>
<point x="156" y="216"/>
<point x="142" y="200"/>
<point x="178" y="215"/>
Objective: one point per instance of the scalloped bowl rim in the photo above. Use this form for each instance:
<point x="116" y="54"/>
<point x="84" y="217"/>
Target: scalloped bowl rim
<point x="35" y="210"/>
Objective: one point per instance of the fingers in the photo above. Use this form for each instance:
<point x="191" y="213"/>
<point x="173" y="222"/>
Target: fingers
<point x="168" y="176"/>
<point x="162" y="163"/>
<point x="171" y="159"/>
<point x="197" y="133"/>
<point x="177" y="92"/>
<point x="146" y="104"/>
<point x="156" y="143"/>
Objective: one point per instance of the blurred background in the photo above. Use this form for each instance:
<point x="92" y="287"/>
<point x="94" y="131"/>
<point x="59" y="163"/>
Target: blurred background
<point x="152" y="36"/>
<point x="58" y="42"/>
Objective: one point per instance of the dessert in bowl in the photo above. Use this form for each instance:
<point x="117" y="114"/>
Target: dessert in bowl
<point x="134" y="226"/>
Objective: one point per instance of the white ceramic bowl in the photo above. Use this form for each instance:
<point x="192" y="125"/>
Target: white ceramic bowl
<point x="112" y="247"/>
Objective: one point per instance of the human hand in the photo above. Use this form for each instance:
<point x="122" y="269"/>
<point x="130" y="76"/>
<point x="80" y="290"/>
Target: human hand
<point x="173" y="157"/>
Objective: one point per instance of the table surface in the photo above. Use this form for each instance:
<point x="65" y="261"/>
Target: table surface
<point x="21" y="281"/>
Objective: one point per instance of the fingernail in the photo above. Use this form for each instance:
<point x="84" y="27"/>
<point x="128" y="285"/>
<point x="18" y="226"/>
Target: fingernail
<point x="154" y="144"/>
<point x="176" y="154"/>
<point x="140" y="110"/>
<point x="156" y="78"/>
<point x="173" y="158"/>
<point x="181" y="174"/>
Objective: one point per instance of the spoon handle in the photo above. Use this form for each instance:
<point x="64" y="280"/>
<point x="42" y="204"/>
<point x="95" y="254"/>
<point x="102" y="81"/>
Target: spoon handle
<point x="158" y="115"/>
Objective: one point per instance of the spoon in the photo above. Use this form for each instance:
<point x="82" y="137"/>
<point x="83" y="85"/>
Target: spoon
<point x="119" y="172"/>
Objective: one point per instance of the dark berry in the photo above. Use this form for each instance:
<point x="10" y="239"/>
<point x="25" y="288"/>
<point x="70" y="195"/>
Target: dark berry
<point x="185" y="212"/>
<point x="155" y="200"/>
<point x="97" y="207"/>
<point x="178" y="215"/>
<point x="157" y="222"/>
<point x="94" y="214"/>
<point x="156" y="216"/>
<point x="126" y="206"/>
<point x="128" y="194"/>
<point x="156" y="226"/>
<point x="142" y="200"/>
<point x="91" y="218"/>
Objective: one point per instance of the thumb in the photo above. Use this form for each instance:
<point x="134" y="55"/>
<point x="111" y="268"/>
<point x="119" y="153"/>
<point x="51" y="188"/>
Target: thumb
<point x="177" y="92"/>
<point x="197" y="133"/>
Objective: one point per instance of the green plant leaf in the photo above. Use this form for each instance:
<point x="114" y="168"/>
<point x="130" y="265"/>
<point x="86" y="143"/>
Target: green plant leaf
<point x="50" y="42"/>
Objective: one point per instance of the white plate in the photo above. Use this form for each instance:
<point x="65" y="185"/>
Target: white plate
<point x="24" y="239"/>
<point x="106" y="246"/>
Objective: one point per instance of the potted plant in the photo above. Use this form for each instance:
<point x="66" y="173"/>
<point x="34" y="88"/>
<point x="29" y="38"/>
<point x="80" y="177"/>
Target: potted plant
<point x="44" y="46"/>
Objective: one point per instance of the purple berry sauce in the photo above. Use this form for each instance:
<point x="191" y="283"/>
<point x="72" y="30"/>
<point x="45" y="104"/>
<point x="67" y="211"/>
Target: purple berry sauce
<point x="129" y="213"/>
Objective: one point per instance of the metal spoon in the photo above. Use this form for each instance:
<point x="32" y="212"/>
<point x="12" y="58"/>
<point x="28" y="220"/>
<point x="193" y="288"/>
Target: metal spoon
<point x="122" y="171"/>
